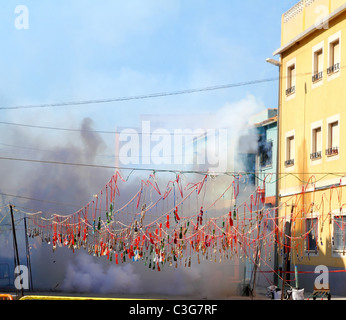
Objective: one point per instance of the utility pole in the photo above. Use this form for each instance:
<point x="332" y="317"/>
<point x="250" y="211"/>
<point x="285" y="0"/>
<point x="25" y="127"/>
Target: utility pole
<point x="258" y="251"/>
<point x="276" y="258"/>
<point x="28" y="254"/>
<point x="15" y="242"/>
<point x="287" y="248"/>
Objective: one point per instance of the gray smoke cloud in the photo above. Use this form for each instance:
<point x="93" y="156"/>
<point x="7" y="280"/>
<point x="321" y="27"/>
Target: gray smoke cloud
<point x="83" y="273"/>
<point x="63" y="189"/>
<point x="86" y="275"/>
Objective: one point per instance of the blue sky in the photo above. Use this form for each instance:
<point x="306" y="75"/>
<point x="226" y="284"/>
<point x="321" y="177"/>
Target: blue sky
<point x="79" y="50"/>
<point x="85" y="50"/>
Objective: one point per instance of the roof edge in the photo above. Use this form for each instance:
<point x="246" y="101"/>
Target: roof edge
<point x="310" y="30"/>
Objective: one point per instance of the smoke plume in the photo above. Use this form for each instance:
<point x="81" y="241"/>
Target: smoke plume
<point x="65" y="189"/>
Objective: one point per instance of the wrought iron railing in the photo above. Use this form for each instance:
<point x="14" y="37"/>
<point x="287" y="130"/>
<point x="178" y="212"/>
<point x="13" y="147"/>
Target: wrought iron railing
<point x="289" y="162"/>
<point x="332" y="151"/>
<point x="316" y="155"/>
<point x="318" y="76"/>
<point x="334" y="68"/>
<point x="290" y="90"/>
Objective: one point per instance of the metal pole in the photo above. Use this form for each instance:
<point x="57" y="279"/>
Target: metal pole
<point x="276" y="258"/>
<point x="296" y="275"/>
<point x="15" y="242"/>
<point x="258" y="249"/>
<point x="28" y="254"/>
<point x="287" y="255"/>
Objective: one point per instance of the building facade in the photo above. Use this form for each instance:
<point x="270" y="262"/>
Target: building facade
<point x="265" y="124"/>
<point x="255" y="159"/>
<point x="256" y="153"/>
<point x="312" y="141"/>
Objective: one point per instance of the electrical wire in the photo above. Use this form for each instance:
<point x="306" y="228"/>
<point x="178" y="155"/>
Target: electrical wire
<point x="40" y="200"/>
<point x="110" y="167"/>
<point x="141" y="97"/>
<point x="176" y="133"/>
<point x="153" y="95"/>
<point x="204" y="172"/>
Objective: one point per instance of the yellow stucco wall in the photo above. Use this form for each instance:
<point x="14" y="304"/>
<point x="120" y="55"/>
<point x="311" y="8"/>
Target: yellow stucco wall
<point x="313" y="103"/>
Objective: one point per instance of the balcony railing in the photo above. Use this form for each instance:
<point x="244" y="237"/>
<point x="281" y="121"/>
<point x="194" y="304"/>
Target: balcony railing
<point x="291" y="90"/>
<point x="334" y="68"/>
<point x="332" y="151"/>
<point x="316" y="155"/>
<point x="289" y="162"/>
<point x="318" y="76"/>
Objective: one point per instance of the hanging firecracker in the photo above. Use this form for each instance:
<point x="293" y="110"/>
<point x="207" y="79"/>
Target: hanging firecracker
<point x="167" y="222"/>
<point x="176" y="216"/>
<point x="230" y="219"/>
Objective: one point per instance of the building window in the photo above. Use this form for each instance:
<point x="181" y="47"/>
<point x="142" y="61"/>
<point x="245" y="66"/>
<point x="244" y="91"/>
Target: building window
<point x="334" y="57"/>
<point x="291" y="79"/>
<point x="311" y="225"/>
<point x="339" y="236"/>
<point x="290" y="151"/>
<point x="266" y="153"/>
<point x="318" y="66"/>
<point x="333" y="139"/>
<point x="291" y="67"/>
<point x="316" y="146"/>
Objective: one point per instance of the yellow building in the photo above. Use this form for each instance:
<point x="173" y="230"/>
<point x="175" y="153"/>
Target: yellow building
<point x="312" y="144"/>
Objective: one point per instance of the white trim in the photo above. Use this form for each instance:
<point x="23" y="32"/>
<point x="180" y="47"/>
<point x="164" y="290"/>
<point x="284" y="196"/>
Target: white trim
<point x="315" y="49"/>
<point x="315" y="125"/>
<point x="289" y="64"/>
<point x="329" y="121"/>
<point x="313" y="215"/>
<point x="289" y="134"/>
<point x="332" y="39"/>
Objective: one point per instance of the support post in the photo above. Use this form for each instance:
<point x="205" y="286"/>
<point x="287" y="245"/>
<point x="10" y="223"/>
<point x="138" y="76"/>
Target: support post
<point x="258" y="251"/>
<point x="28" y="254"/>
<point x="15" y="243"/>
<point x="296" y="276"/>
<point x="287" y="255"/>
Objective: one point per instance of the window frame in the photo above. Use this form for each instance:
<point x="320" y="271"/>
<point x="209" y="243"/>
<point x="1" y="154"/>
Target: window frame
<point x="269" y="160"/>
<point x="332" y="152"/>
<point x="289" y="161"/>
<point x="338" y="253"/>
<point x="318" y="70"/>
<point x="317" y="75"/>
<point x="314" y="157"/>
<point x="315" y="251"/>
<point x="290" y="91"/>
<point x="334" y="71"/>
